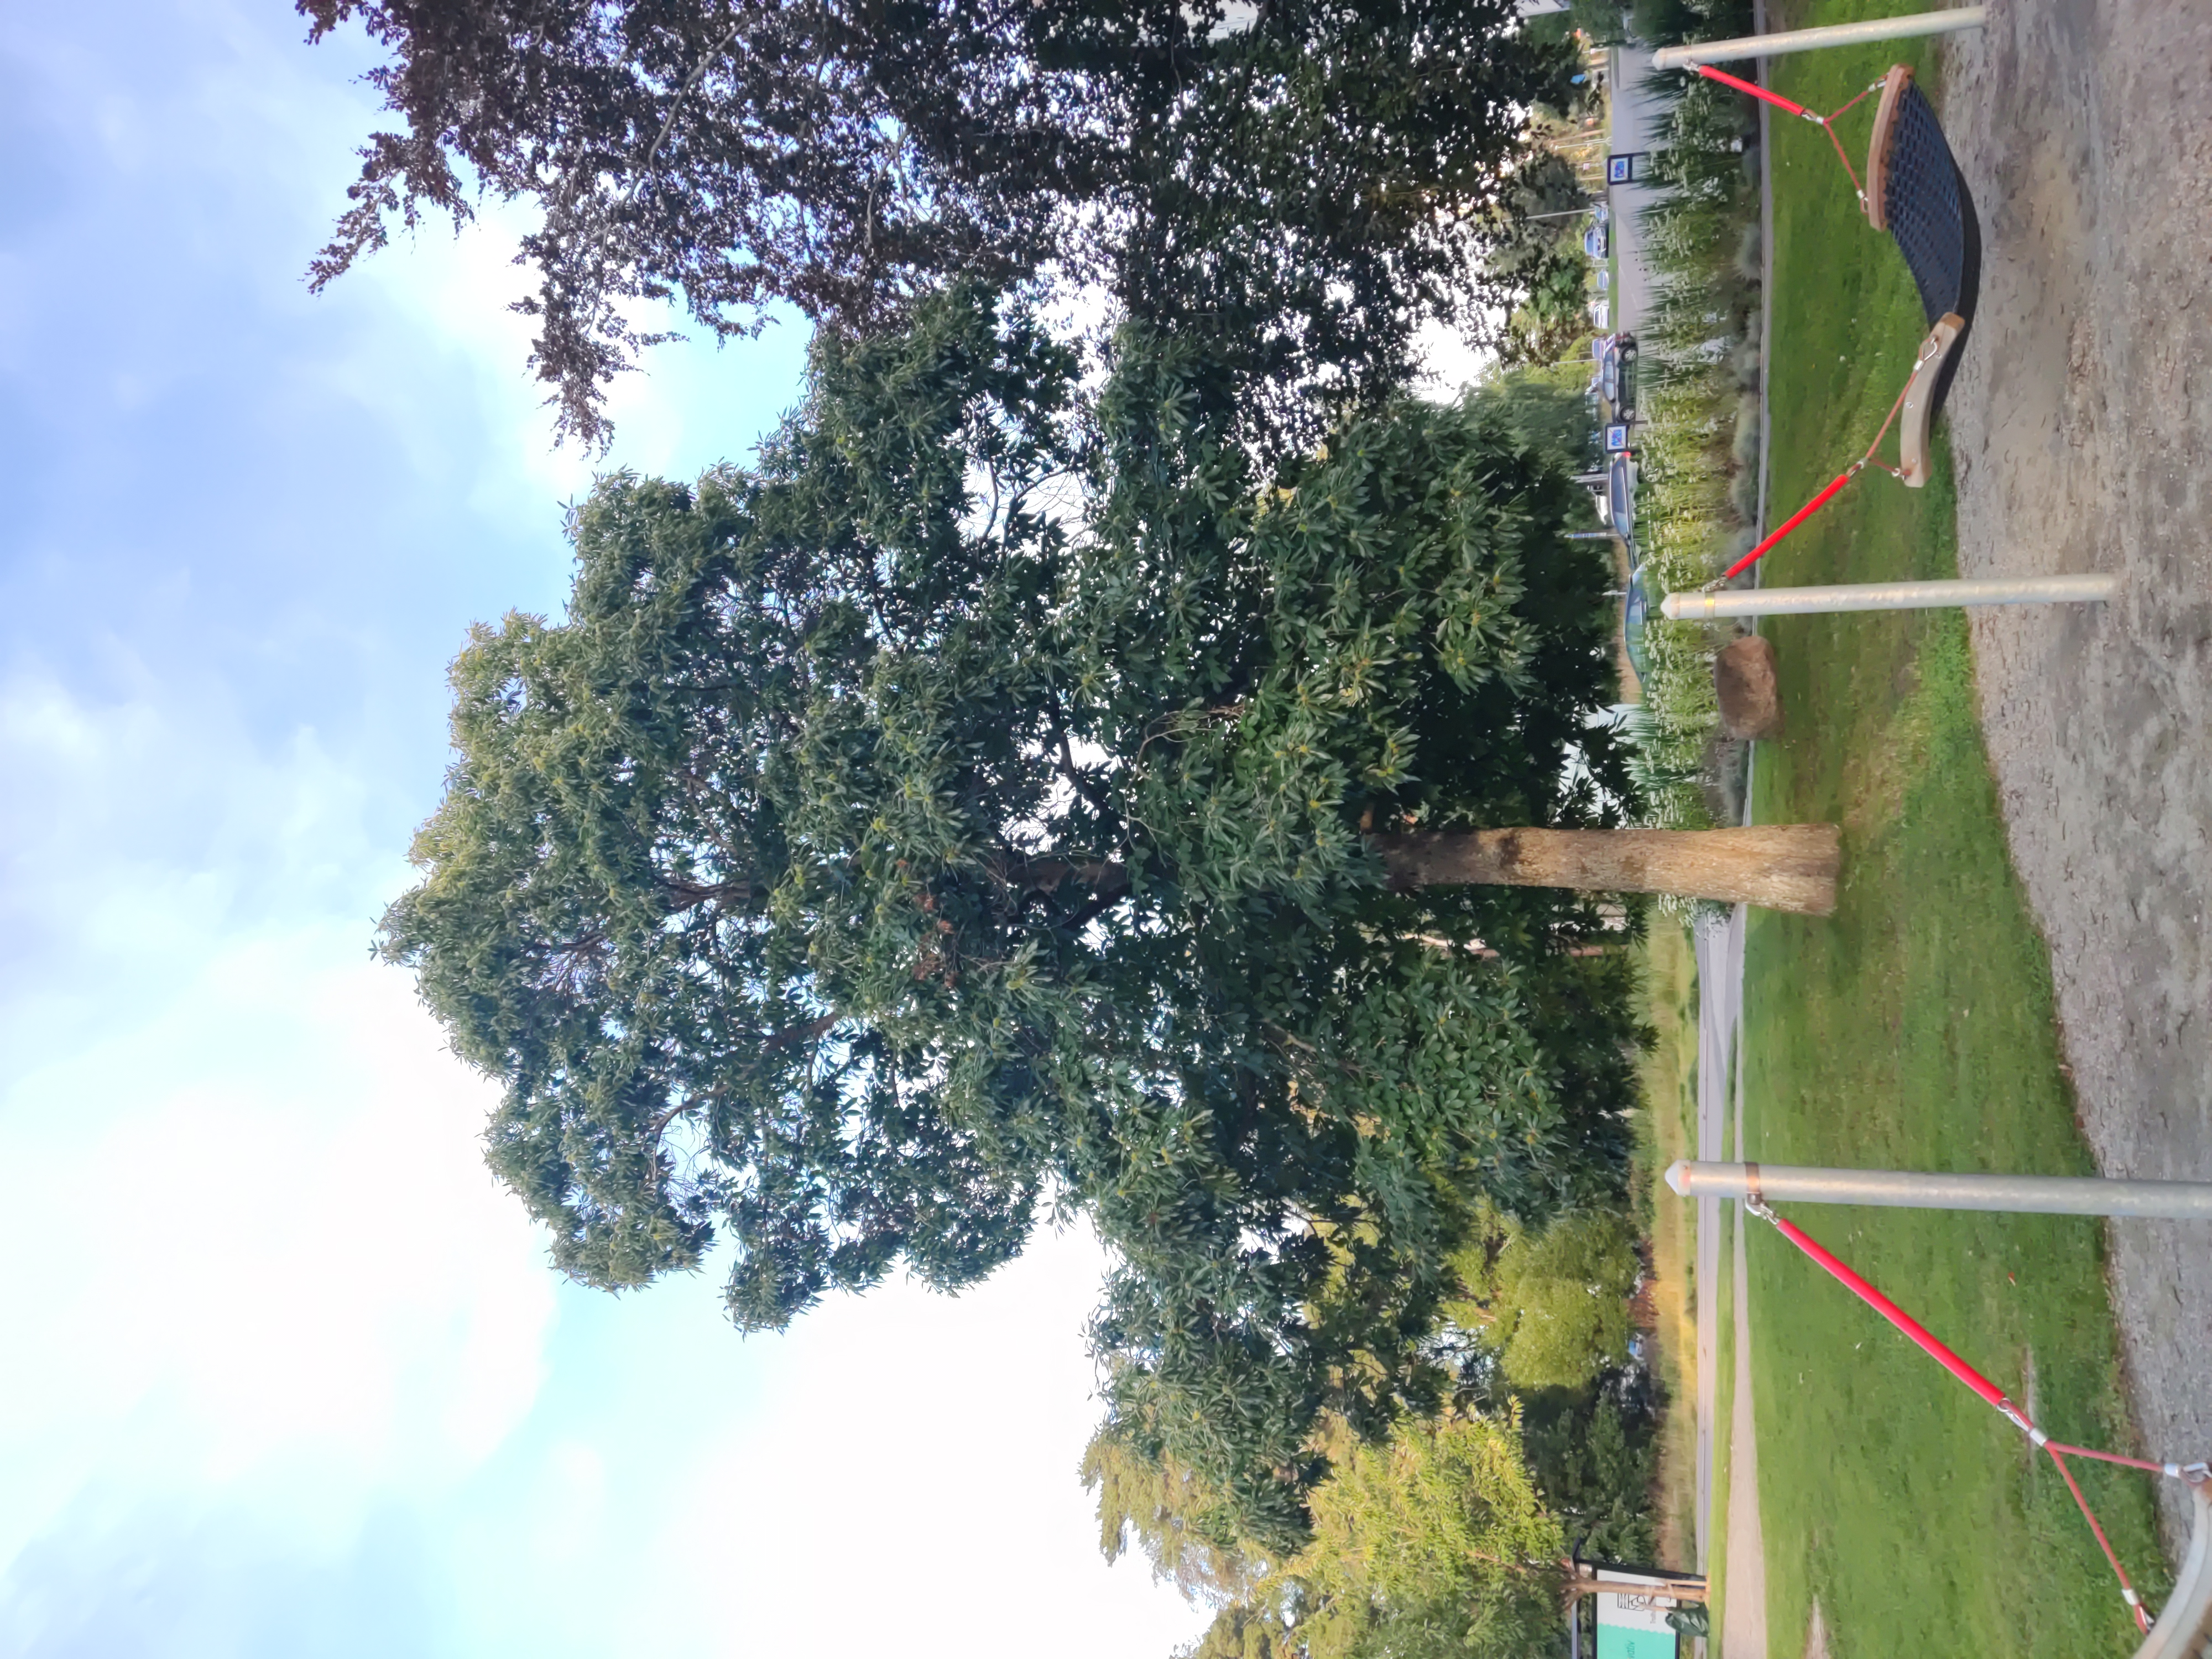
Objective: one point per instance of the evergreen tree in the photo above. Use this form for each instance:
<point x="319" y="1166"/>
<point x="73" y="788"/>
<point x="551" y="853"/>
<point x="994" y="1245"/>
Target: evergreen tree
<point x="991" y="800"/>
<point x="1553" y="1304"/>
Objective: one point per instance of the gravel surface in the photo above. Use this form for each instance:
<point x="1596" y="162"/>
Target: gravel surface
<point x="2079" y="424"/>
<point x="1743" y="1610"/>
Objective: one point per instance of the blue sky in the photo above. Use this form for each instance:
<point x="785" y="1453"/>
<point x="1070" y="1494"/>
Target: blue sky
<point x="281" y="1371"/>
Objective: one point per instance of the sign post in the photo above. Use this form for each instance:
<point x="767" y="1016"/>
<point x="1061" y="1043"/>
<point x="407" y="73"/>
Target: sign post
<point x="1633" y="1609"/>
<point x="1631" y="1615"/>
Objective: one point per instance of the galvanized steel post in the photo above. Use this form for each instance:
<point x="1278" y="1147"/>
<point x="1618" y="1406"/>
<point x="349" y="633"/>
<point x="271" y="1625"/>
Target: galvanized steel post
<point x="1847" y="597"/>
<point x="1834" y="34"/>
<point x="2176" y="1201"/>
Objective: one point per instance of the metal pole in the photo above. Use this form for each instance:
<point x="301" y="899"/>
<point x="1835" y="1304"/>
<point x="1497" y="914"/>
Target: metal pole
<point x="1834" y="34"/>
<point x="1887" y="595"/>
<point x="2176" y="1201"/>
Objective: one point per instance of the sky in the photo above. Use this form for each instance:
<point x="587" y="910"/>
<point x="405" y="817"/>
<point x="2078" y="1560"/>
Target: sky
<point x="282" y="1370"/>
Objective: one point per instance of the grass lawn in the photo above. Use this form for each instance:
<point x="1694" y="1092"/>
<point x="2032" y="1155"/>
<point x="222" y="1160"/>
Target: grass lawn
<point x="1668" y="1129"/>
<point x="1914" y="1028"/>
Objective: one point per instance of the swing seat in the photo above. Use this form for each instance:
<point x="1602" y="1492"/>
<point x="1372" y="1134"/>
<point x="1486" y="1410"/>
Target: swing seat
<point x="2182" y="1627"/>
<point x="1916" y="192"/>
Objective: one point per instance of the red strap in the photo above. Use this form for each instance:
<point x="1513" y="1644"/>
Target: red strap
<point x="2127" y="1590"/>
<point x="1897" y="1316"/>
<point x="1981" y="1385"/>
<point x="1796" y="519"/>
<point x="1756" y="91"/>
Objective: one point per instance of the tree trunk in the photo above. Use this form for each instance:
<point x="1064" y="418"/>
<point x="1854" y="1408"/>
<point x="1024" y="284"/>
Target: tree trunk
<point x="1787" y="867"/>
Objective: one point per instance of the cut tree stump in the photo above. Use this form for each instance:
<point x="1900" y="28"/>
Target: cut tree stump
<point x="1751" y="702"/>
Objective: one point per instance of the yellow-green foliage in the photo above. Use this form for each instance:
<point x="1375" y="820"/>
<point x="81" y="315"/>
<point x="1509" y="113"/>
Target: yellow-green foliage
<point x="1259" y="1631"/>
<point x="1440" y="1528"/>
<point x="1553" y="1305"/>
<point x="1433" y="1544"/>
<point x="1164" y="1510"/>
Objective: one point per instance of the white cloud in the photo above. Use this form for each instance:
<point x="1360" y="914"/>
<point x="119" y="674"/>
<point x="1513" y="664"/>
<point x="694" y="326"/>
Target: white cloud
<point x="249" y="1223"/>
<point x="1448" y="362"/>
<point x="688" y="406"/>
<point x="267" y="1293"/>
<point x="900" y="1477"/>
<point x="282" y="1372"/>
<point x="261" y="1233"/>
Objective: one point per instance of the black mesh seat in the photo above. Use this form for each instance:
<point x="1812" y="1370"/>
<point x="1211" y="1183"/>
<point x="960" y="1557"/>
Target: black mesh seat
<point x="1916" y="192"/>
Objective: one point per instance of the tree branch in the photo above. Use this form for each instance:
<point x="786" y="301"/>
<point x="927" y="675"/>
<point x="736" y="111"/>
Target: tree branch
<point x="1106" y="877"/>
<point x="694" y="893"/>
<point x="805" y="1033"/>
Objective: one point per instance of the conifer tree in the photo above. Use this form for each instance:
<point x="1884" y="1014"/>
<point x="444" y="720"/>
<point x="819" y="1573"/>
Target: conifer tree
<point x="996" y="801"/>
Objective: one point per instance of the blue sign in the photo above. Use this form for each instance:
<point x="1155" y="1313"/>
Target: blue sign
<point x="1627" y="167"/>
<point x="1614" y="1642"/>
<point x="1633" y="1628"/>
<point x="1616" y="440"/>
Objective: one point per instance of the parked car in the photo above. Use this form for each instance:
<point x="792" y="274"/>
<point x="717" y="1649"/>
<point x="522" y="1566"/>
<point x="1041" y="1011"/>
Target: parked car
<point x="1597" y="240"/>
<point x="1619" y="510"/>
<point x="1632" y="612"/>
<point x="1616" y="376"/>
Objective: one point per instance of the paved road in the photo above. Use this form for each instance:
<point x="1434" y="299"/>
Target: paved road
<point x="1742" y="1632"/>
<point x="1635" y="126"/>
<point x="1636" y="117"/>
<point x="1720" y="1104"/>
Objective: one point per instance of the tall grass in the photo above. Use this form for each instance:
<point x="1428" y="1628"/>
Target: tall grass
<point x="1698" y="448"/>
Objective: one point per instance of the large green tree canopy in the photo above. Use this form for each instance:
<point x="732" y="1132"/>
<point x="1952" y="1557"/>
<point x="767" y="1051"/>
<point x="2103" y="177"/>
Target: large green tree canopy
<point x="1311" y="187"/>
<point x="969" y="811"/>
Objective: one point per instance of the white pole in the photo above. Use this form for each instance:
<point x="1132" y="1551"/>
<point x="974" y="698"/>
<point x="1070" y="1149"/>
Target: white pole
<point x="1886" y="596"/>
<point x="2185" y="1200"/>
<point x="1834" y="34"/>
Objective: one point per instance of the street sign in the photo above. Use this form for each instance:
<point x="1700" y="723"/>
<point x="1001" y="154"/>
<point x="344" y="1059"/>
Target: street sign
<point x="1616" y="439"/>
<point x="1628" y="167"/>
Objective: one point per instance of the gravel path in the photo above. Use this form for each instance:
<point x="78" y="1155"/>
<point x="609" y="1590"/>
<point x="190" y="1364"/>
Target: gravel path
<point x="1743" y="1611"/>
<point x="1742" y="1632"/>
<point x="2080" y="424"/>
<point x="1720" y="1010"/>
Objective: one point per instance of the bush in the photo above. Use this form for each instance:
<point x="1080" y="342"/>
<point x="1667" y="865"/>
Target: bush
<point x="1592" y="1453"/>
<point x="1552" y="1306"/>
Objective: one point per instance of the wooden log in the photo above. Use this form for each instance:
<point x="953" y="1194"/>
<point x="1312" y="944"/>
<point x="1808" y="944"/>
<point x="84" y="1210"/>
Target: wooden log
<point x="1786" y="866"/>
<point x="1676" y="1590"/>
